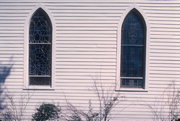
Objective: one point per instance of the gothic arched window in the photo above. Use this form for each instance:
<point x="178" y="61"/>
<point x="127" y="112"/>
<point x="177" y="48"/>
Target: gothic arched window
<point x="40" y="49"/>
<point x="133" y="51"/>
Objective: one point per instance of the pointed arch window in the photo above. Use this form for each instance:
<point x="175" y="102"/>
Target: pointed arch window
<point x="133" y="49"/>
<point x="40" y="49"/>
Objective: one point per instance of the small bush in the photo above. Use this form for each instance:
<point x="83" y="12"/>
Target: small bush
<point x="46" y="112"/>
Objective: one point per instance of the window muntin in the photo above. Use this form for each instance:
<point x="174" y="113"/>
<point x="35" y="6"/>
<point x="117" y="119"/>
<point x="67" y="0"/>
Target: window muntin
<point x="133" y="35"/>
<point x="40" y="49"/>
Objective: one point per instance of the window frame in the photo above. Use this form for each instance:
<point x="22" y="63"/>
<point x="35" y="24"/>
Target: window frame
<point x="118" y="67"/>
<point x="26" y="52"/>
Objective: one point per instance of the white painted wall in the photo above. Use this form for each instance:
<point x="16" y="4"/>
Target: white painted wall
<point x="86" y="36"/>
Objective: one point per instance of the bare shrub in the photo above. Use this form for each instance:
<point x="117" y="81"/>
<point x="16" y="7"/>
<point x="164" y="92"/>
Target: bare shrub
<point x="166" y="108"/>
<point x="107" y="100"/>
<point x="79" y="115"/>
<point x="15" y="111"/>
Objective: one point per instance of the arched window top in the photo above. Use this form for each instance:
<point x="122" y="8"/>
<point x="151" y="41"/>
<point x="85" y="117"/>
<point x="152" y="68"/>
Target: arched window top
<point x="40" y="27"/>
<point x="135" y="16"/>
<point x="133" y="50"/>
<point x="134" y="23"/>
<point x="40" y="49"/>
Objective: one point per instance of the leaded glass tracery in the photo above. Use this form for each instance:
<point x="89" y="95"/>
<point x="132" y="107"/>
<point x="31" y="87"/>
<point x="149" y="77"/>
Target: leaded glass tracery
<point x="40" y="49"/>
<point x="133" y="51"/>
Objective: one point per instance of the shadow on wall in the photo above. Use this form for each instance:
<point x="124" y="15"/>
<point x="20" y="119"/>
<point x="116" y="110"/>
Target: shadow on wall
<point x="5" y="70"/>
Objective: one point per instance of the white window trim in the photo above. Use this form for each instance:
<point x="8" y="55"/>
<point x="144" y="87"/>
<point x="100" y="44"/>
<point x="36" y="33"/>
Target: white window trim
<point x="118" y="60"/>
<point x="26" y="51"/>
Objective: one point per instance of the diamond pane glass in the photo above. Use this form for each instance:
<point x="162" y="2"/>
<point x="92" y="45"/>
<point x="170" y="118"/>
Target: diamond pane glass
<point x="133" y="50"/>
<point x="40" y="49"/>
<point x="40" y="59"/>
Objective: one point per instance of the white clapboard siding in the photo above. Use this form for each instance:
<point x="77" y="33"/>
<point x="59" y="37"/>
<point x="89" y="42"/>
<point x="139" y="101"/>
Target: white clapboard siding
<point x="86" y="37"/>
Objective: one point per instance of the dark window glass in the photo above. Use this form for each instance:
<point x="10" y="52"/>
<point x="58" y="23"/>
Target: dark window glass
<point x="40" y="49"/>
<point x="133" y="50"/>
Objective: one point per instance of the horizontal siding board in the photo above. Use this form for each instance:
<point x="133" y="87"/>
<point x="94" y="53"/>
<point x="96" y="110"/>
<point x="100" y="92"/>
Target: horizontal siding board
<point x="86" y="32"/>
<point x="85" y="70"/>
<point x="102" y="39"/>
<point x="69" y="28"/>
<point x="84" y="53"/>
<point x="84" y="64"/>
<point x="88" y="14"/>
<point x="84" y="75"/>
<point x="90" y="50"/>
<point x="86" y="21"/>
<point x="93" y="4"/>
<point x="82" y="11"/>
<point x="84" y="43"/>
<point x="86" y="25"/>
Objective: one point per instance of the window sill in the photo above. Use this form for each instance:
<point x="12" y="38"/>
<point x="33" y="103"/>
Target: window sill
<point x="39" y="88"/>
<point x="132" y="90"/>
